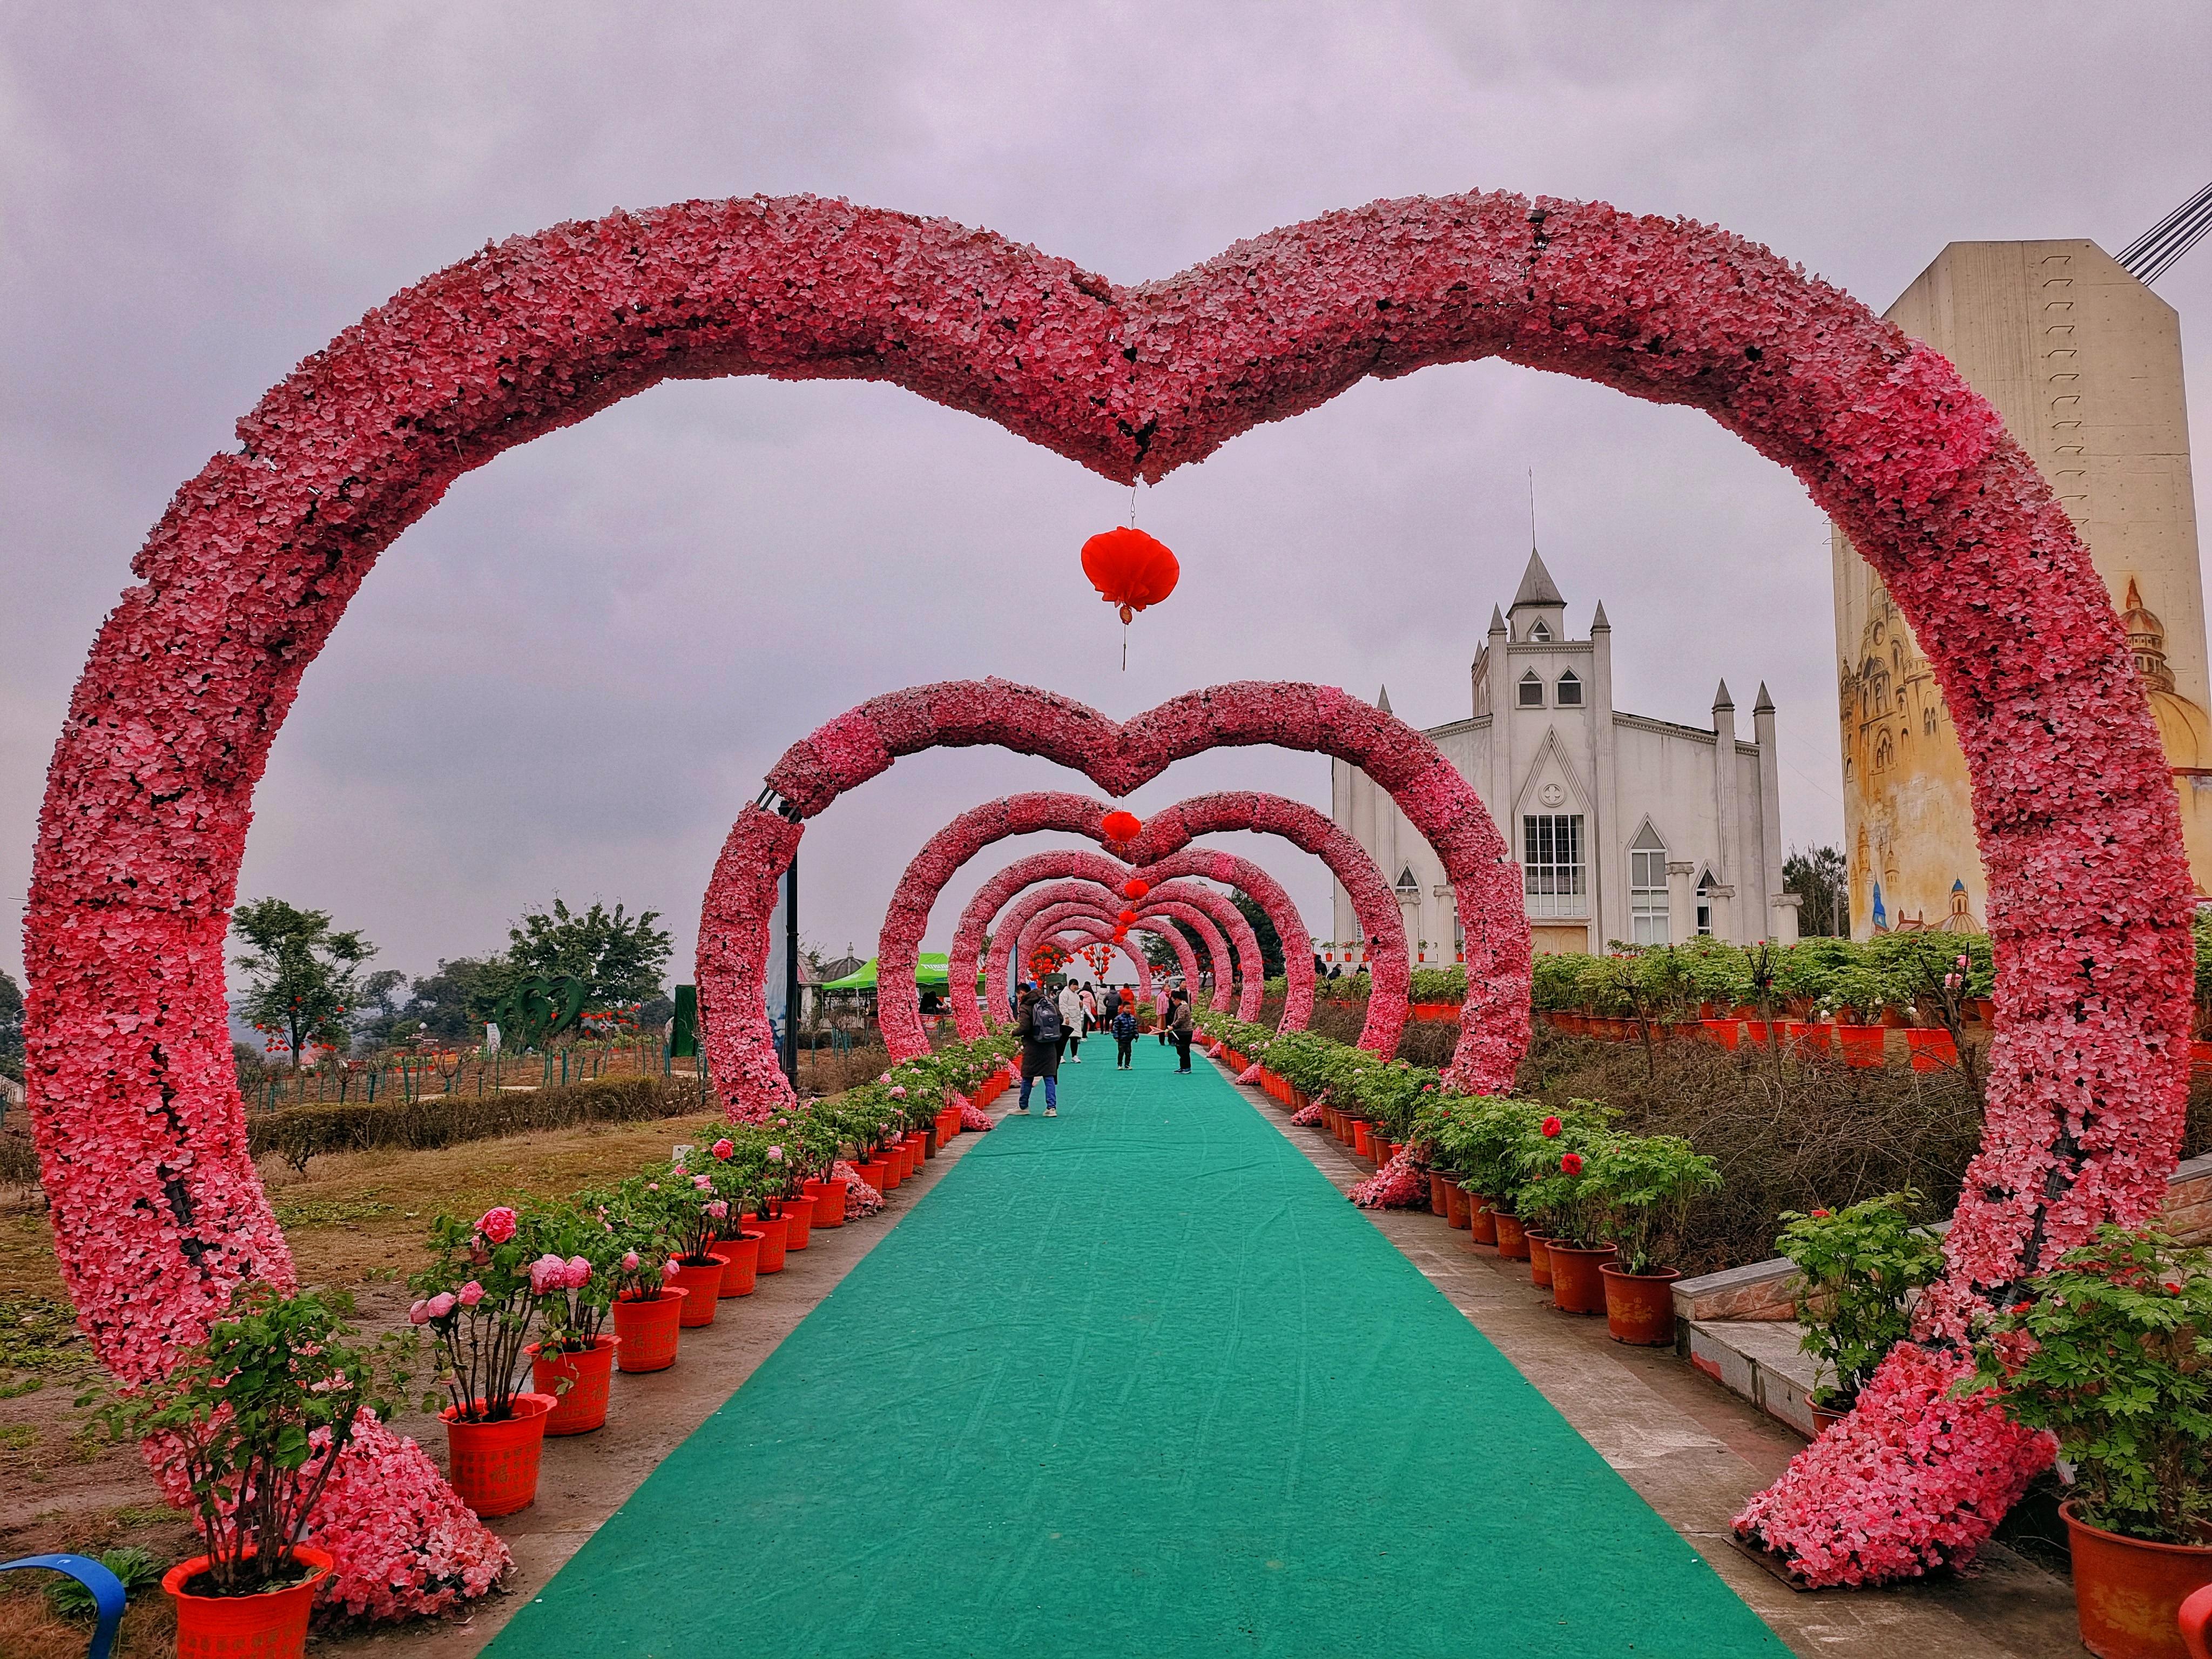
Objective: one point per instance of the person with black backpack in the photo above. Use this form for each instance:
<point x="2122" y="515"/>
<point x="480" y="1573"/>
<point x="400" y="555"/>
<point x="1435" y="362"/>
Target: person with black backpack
<point x="1039" y="1024"/>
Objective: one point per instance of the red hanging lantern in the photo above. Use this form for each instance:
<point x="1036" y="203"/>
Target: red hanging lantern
<point x="1125" y="917"/>
<point x="1130" y="569"/>
<point x="1122" y="825"/>
<point x="1135" y="887"/>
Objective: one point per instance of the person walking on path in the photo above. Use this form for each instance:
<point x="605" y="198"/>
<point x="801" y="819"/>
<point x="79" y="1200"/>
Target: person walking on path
<point x="1183" y="1022"/>
<point x="1125" y="1036"/>
<point x="1166" y="1011"/>
<point x="1071" y="1022"/>
<point x="1039" y="1027"/>
<point x="1089" y="1009"/>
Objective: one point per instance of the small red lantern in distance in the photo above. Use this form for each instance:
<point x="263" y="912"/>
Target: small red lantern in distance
<point x="1130" y="569"/>
<point x="1135" y="887"/>
<point x="1125" y="917"/>
<point x="1122" y="826"/>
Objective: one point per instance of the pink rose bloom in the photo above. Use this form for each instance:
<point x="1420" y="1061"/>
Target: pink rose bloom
<point x="497" y="1224"/>
<point x="718" y="1209"/>
<point x="419" y="1313"/>
<point x="441" y="1304"/>
<point x="579" y="1273"/>
<point x="775" y="1154"/>
<point x="724" y="1147"/>
<point x="629" y="1262"/>
<point x="471" y="1293"/>
<point x="701" y="1182"/>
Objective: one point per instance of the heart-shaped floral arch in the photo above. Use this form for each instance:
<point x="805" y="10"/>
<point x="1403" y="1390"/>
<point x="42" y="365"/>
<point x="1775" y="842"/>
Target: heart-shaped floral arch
<point x="1166" y="831"/>
<point x="1089" y="906"/>
<point x="1036" y="912"/>
<point x="156" y="1207"/>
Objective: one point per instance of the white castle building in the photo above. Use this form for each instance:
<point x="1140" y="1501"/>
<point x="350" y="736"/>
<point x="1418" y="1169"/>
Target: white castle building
<point x="1627" y="828"/>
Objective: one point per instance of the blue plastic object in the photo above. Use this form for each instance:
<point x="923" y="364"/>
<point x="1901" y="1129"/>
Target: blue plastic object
<point x="107" y="1595"/>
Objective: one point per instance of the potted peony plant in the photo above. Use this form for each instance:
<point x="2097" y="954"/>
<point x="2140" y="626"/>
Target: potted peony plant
<point x="572" y="1282"/>
<point x="786" y="1179"/>
<point x="818" y="1145"/>
<point x="476" y="1300"/>
<point x="1568" y="1251"/>
<point x="249" y="1422"/>
<point x="697" y="1217"/>
<point x="1638" y="1190"/>
<point x="1858" y="1270"/>
<point x="1484" y="1144"/>
<point x="734" y="1167"/>
<point x="648" y="1305"/>
<point x="2111" y="1354"/>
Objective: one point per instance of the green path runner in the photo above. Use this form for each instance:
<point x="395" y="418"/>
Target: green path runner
<point x="1134" y="1381"/>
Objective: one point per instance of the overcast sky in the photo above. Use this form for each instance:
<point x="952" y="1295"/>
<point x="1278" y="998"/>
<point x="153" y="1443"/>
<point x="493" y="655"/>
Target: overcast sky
<point x="572" y="674"/>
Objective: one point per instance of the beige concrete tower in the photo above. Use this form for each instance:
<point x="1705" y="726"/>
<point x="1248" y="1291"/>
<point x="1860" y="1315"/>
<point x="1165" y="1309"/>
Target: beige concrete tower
<point x="2083" y="363"/>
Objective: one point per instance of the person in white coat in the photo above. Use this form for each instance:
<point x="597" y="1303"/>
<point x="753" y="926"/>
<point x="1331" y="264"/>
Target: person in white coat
<point x="1071" y="1020"/>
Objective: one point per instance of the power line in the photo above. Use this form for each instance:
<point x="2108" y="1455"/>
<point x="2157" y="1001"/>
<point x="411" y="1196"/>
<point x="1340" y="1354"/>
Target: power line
<point x="2151" y="254"/>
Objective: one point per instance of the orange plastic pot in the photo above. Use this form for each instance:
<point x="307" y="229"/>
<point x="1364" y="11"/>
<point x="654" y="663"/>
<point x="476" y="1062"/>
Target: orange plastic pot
<point x="1513" y="1237"/>
<point x="1639" y="1307"/>
<point x="1540" y="1260"/>
<point x="876" y="1174"/>
<point x="800" y="1212"/>
<point x="740" y="1262"/>
<point x="894" y="1167"/>
<point x="578" y="1382"/>
<point x="1577" y="1287"/>
<point x="700" y="1284"/>
<point x="494" y="1466"/>
<point x="270" y="1625"/>
<point x="1455" y="1208"/>
<point x="1439" y="1192"/>
<point x="647" y="1327"/>
<point x="1363" y="1139"/>
<point x="773" y="1237"/>
<point x="1482" y="1223"/>
<point x="829" y="1198"/>
<point x="2128" y="1593"/>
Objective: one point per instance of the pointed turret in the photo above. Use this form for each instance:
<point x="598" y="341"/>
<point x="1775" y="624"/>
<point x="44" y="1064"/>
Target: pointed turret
<point x="1537" y="587"/>
<point x="1722" y="700"/>
<point x="1598" y="623"/>
<point x="1382" y="700"/>
<point x="1497" y="620"/>
<point x="1766" y="704"/>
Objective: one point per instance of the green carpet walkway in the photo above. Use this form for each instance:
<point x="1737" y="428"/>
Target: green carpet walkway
<point x="1135" y="1380"/>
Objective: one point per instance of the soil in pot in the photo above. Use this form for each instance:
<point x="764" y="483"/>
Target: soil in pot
<point x="578" y="1380"/>
<point x="2128" y="1593"/>
<point x="773" y="1235"/>
<point x="1513" y="1237"/>
<point x="701" y="1283"/>
<point x="272" y="1624"/>
<point x="1639" y="1307"/>
<point x="645" y="1329"/>
<point x="740" y="1263"/>
<point x="1577" y="1287"/>
<point x="494" y="1466"/>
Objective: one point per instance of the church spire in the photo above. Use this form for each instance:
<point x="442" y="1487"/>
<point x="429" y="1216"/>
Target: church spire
<point x="1382" y="700"/>
<point x="1537" y="587"/>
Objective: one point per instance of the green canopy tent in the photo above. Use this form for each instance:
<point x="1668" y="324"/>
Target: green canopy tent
<point x="930" y="974"/>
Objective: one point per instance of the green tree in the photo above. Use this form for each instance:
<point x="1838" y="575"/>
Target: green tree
<point x="303" y="976"/>
<point x="1819" y="878"/>
<point x="11" y="1027"/>
<point x="1271" y="942"/>
<point x="621" y="959"/>
<point x="454" y="1003"/>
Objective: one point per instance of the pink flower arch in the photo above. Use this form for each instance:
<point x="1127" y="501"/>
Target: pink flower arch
<point x="1003" y="971"/>
<point x="156" y="1207"/>
<point x="1081" y="931"/>
<point x="1166" y="831"/>
<point x="1186" y="901"/>
<point x="1157" y="921"/>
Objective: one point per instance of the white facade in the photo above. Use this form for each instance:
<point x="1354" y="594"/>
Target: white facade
<point x="1627" y="828"/>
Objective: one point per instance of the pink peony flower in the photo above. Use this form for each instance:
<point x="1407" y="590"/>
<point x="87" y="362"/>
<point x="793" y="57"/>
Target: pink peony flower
<point x="441" y="1304"/>
<point x="497" y="1224"/>
<point x="470" y="1294"/>
<point x="419" y="1313"/>
<point x="724" y="1147"/>
<point x="718" y="1210"/>
<point x="775" y="1154"/>
<point x="579" y="1273"/>
<point x="898" y="1092"/>
<point x="547" y="1274"/>
<point x="629" y="1262"/>
<point x="702" y="1183"/>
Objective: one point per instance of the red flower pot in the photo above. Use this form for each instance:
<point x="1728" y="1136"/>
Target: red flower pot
<point x="829" y="1198"/>
<point x="1577" y="1285"/>
<point x="1513" y="1237"/>
<point x="1439" y="1191"/>
<point x="1932" y="1050"/>
<point x="1482" y="1223"/>
<point x="876" y="1174"/>
<point x="1363" y="1139"/>
<point x="270" y="1625"/>
<point x="740" y="1263"/>
<point x="2128" y="1593"/>
<point x="1455" y="1211"/>
<point x="800" y="1212"/>
<point x="1540" y="1260"/>
<point x="578" y="1381"/>
<point x="1726" y="1032"/>
<point x="645" y="1329"/>
<point x="773" y="1235"/>
<point x="700" y="1284"/>
<point x="494" y="1466"/>
<point x="1862" y="1044"/>
<point x="1639" y="1307"/>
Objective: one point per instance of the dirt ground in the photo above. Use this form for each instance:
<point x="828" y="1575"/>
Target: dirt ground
<point x="356" y="1223"/>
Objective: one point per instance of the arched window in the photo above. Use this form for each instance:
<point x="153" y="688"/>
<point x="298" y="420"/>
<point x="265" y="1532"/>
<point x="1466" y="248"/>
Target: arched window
<point x="1571" y="690"/>
<point x="1531" y="690"/>
<point x="1883" y="754"/>
<point x="1539" y="632"/>
<point x="1647" y="888"/>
